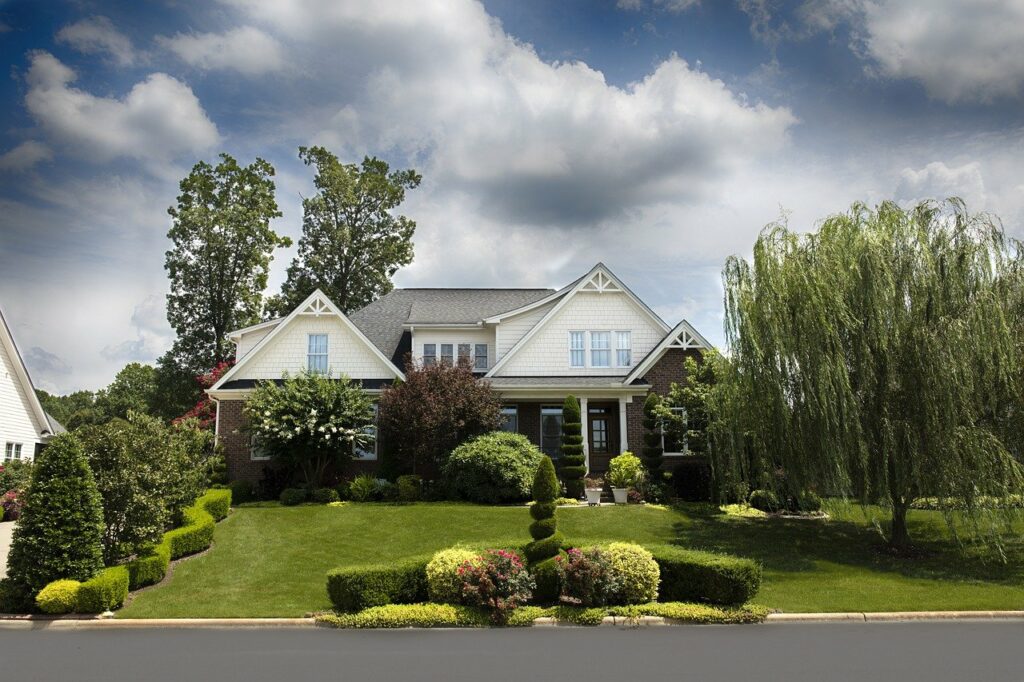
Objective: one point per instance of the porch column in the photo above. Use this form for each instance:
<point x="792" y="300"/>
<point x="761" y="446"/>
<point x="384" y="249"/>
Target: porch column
<point x="586" y="435"/>
<point x="623" y="435"/>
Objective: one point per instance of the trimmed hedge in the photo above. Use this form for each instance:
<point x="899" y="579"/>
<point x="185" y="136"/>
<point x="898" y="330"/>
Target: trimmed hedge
<point x="58" y="597"/>
<point x="241" y="491"/>
<point x="150" y="568"/>
<point x="409" y="616"/>
<point x="356" y="588"/>
<point x="105" y="591"/>
<point x="293" y="496"/>
<point x="695" y="576"/>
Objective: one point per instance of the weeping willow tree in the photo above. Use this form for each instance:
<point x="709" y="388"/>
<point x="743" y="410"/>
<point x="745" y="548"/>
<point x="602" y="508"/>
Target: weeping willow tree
<point x="879" y="358"/>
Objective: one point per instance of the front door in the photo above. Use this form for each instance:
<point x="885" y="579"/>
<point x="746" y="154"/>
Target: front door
<point x="602" y="435"/>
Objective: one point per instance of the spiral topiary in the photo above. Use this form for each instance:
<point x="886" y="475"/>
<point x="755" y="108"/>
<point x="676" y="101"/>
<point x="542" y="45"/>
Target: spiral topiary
<point x="573" y="465"/>
<point x="544" y="529"/>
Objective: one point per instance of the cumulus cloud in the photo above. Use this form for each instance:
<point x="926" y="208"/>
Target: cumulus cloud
<point x="98" y="35"/>
<point x="43" y="362"/>
<point x="25" y="156"/>
<point x="939" y="181"/>
<point x="158" y="119"/>
<point x="675" y="6"/>
<point x="153" y="334"/>
<point x="246" y="50"/>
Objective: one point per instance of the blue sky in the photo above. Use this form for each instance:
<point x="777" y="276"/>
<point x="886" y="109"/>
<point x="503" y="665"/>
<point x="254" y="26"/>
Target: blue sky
<point x="658" y="136"/>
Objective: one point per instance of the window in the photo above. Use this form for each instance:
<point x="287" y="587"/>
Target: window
<point x="600" y="349"/>
<point x="369" y="451"/>
<point x="447" y="354"/>
<point x="429" y="354"/>
<point x="511" y="416"/>
<point x="256" y="451"/>
<point x="551" y="430"/>
<point x="317" y="359"/>
<point x="480" y="356"/>
<point x="577" y="349"/>
<point x="673" y="441"/>
<point x="464" y="352"/>
<point x="624" y="351"/>
<point x="12" y="451"/>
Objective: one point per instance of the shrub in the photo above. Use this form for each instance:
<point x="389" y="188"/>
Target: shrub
<point x="444" y="585"/>
<point x="587" y="578"/>
<point x="293" y="496"/>
<point x="497" y="581"/>
<point x="61" y="526"/>
<point x="15" y="597"/>
<point x="625" y="471"/>
<point x="808" y="501"/>
<point x="195" y="536"/>
<point x="150" y="567"/>
<point x="344" y="489"/>
<point x="493" y="468"/>
<point x="695" y="576"/>
<point x="547" y="579"/>
<point x="691" y="479"/>
<point x="764" y="500"/>
<point x="636" y="572"/>
<point x="105" y="591"/>
<point x="216" y="502"/>
<point x="241" y="492"/>
<point x="325" y="495"/>
<point x="573" y="460"/>
<point x="408" y="616"/>
<point x="544" y="529"/>
<point x="363" y="488"/>
<point x="410" y="488"/>
<point x="354" y="588"/>
<point x="15" y="475"/>
<point x="60" y="596"/>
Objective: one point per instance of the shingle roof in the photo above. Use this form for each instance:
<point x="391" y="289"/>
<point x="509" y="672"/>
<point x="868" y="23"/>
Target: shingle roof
<point x="382" y="321"/>
<point x="541" y="382"/>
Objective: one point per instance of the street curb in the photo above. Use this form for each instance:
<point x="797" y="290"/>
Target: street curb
<point x="892" y="616"/>
<point x="149" y="623"/>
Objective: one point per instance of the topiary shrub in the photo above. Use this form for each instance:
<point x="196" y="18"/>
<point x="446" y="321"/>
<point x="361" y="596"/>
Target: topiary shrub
<point x="493" y="468"/>
<point x="293" y="496"/>
<point x="544" y="529"/>
<point x="444" y="585"/>
<point x="354" y="588"/>
<point x="764" y="500"/>
<point x="652" y="452"/>
<point x="241" y="492"/>
<point x="410" y="488"/>
<point x="60" y="596"/>
<point x="694" y="576"/>
<point x="216" y="502"/>
<point x="150" y="567"/>
<point x="573" y="463"/>
<point x="105" y="591"/>
<point x="326" y="495"/>
<point x="635" y="570"/>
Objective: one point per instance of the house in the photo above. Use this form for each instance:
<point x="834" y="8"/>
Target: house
<point x="594" y="339"/>
<point x="24" y="426"/>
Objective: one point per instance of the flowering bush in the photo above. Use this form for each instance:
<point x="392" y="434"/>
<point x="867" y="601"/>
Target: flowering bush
<point x="15" y="475"/>
<point x="205" y="411"/>
<point x="587" y="578"/>
<point x="497" y="580"/>
<point x="10" y="505"/>
<point x="444" y="583"/>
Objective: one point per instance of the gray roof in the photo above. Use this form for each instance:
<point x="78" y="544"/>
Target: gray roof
<point x="382" y="321"/>
<point x="541" y="382"/>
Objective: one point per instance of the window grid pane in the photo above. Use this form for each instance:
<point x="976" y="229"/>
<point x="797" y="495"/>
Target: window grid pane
<point x="600" y="349"/>
<point x="447" y="353"/>
<point x="370" y="451"/>
<point x="317" y="358"/>
<point x="511" y="423"/>
<point x="480" y="356"/>
<point x="464" y="351"/>
<point x="429" y="354"/>
<point x="577" y="352"/>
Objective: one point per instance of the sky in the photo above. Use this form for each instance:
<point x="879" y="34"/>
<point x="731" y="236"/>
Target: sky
<point x="656" y="136"/>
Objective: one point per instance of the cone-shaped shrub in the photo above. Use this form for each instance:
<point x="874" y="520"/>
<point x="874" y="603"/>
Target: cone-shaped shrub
<point x="544" y="530"/>
<point x="652" y="435"/>
<point x="573" y="467"/>
<point x="59" y="534"/>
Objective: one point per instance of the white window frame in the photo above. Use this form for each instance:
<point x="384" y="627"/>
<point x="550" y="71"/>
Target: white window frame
<point x="310" y="355"/>
<point x="256" y="451"/>
<point x="686" y="446"/>
<point x="450" y="357"/>
<point x="12" y="451"/>
<point x="367" y="455"/>
<point x="512" y="411"/>
<point x="607" y="349"/>
<point x="477" y="356"/>
<point x="472" y="354"/>
<point x="429" y="359"/>
<point x="551" y="410"/>
<point x="581" y="350"/>
<point x="620" y="348"/>
<point x="614" y="348"/>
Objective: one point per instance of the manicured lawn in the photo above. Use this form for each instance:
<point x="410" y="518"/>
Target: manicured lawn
<point x="272" y="560"/>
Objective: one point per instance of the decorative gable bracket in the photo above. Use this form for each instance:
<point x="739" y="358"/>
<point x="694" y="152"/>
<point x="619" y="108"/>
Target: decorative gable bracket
<point x="317" y="307"/>
<point x="600" y="283"/>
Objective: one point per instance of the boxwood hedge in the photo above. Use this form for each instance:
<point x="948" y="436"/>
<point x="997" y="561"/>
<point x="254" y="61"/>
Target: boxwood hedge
<point x="355" y="588"/>
<point x="689" y="575"/>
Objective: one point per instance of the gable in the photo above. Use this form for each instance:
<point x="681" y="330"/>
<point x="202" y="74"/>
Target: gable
<point x="512" y="329"/>
<point x="21" y="417"/>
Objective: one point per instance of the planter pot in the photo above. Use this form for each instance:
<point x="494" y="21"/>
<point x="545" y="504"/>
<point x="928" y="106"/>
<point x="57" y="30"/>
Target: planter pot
<point x="593" y="496"/>
<point x="620" y="495"/>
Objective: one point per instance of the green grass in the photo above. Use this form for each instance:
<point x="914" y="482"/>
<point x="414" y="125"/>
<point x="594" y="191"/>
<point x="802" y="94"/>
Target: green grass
<point x="269" y="560"/>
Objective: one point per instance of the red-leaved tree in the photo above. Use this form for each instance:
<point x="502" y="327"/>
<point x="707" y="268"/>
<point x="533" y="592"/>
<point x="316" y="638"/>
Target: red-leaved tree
<point x="205" y="410"/>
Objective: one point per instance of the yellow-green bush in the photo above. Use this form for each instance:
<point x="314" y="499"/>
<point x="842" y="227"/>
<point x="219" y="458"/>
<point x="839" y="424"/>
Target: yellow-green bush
<point x="443" y="582"/>
<point x="105" y="591"/>
<point x="637" y="571"/>
<point x="60" y="596"/>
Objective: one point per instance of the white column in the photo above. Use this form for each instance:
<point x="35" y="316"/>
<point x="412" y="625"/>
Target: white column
<point x="623" y="436"/>
<point x="586" y="434"/>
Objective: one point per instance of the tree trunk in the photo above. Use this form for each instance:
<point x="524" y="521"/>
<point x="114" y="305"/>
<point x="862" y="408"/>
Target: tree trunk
<point x="899" y="536"/>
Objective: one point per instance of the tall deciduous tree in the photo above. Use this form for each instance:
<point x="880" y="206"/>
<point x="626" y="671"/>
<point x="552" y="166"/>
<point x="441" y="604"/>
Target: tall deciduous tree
<point x="879" y="355"/>
<point x="222" y="248"/>
<point x="352" y="243"/>
<point x="132" y="390"/>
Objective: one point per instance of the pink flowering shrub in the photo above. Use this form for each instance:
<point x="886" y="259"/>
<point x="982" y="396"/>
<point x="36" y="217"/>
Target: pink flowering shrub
<point x="586" y="577"/>
<point x="498" y="581"/>
<point x="10" y="505"/>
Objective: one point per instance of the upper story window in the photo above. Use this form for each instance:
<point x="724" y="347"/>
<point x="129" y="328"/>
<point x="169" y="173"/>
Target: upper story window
<point x="464" y="352"/>
<point x="577" y="349"/>
<point x="600" y="349"/>
<point x="447" y="354"/>
<point x="473" y="354"/>
<point x="624" y="349"/>
<point x="316" y="360"/>
<point x="594" y="349"/>
<point x="12" y="451"/>
<point x="429" y="354"/>
<point x="480" y="356"/>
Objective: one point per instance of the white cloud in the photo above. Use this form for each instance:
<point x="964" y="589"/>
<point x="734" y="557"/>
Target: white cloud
<point x="98" y="35"/>
<point x="939" y="181"/>
<point x="246" y="50"/>
<point x="674" y="6"/>
<point x="153" y="333"/>
<point x="25" y="156"/>
<point x="158" y="119"/>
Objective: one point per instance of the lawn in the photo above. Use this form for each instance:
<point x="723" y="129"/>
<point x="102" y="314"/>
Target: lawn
<point x="271" y="560"/>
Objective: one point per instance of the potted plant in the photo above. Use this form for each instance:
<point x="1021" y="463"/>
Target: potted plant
<point x="624" y="472"/>
<point x="593" y="486"/>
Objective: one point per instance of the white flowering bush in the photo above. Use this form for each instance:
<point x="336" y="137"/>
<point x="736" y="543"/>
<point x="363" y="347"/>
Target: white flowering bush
<point x="310" y="421"/>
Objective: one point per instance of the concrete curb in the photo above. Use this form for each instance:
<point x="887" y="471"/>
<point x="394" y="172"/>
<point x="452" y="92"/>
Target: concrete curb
<point x="892" y="616"/>
<point x="35" y="623"/>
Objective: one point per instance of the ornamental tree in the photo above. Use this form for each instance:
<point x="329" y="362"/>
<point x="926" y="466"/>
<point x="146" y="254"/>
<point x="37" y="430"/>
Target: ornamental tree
<point x="310" y="421"/>
<point x="879" y="356"/>
<point x="573" y="465"/>
<point x="654" y="420"/>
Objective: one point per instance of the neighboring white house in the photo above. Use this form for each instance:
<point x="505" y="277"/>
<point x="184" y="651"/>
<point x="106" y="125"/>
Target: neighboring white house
<point x="594" y="339"/>
<point x="24" y="426"/>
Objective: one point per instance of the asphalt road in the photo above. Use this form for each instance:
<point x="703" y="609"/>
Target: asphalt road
<point x="847" y="651"/>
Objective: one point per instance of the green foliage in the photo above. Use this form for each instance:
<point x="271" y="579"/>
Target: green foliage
<point x="764" y="500"/>
<point x="72" y="410"/>
<point x="132" y="390"/>
<point x="697" y="614"/>
<point x="241" y="492"/>
<point x="363" y="488"/>
<point x="410" y="488"/>
<point x="547" y="578"/>
<point x="434" y="411"/>
<point x="543" y="510"/>
<point x="694" y="576"/>
<point x="636" y="571"/>
<point x="105" y="591"/>
<point x="222" y="245"/>
<point x="59" y="534"/>
<point x="493" y="468"/>
<point x="177" y="390"/>
<point x="654" y="417"/>
<point x="310" y="421"/>
<point x="15" y="475"/>
<point x="879" y="357"/>
<point x="293" y="496"/>
<point x="444" y="585"/>
<point x="325" y="495"/>
<point x="497" y="580"/>
<point x="807" y="501"/>
<point x="545" y="486"/>
<point x="573" y="461"/>
<point x="352" y="242"/>
<point x="543" y="528"/>
<point x="693" y="395"/>
<point x="60" y="596"/>
<point x="587" y="577"/>
<point x="544" y="548"/>
<point x="355" y="588"/>
<point x="626" y="471"/>
<point x="150" y="566"/>
<point x="547" y="541"/>
<point x="409" y="616"/>
<point x="691" y="479"/>
<point x="216" y="502"/>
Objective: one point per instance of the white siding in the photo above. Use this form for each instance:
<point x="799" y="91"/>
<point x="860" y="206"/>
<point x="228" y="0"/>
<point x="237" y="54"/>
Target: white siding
<point x="347" y="353"/>
<point x="454" y="336"/>
<point x="514" y="328"/>
<point x="17" y="423"/>
<point x="547" y="353"/>
<point x="248" y="341"/>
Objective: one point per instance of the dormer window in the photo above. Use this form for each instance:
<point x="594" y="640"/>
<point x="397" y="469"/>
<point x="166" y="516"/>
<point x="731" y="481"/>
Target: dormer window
<point x="316" y="359"/>
<point x="600" y="349"/>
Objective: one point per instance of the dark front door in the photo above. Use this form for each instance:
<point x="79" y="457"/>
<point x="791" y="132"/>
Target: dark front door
<point x="602" y="435"/>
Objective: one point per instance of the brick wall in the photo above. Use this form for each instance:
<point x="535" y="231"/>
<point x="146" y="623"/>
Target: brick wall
<point x="236" y="443"/>
<point x="668" y="370"/>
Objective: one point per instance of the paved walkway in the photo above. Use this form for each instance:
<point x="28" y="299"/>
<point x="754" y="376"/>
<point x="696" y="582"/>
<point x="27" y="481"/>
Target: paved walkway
<point x="5" y="545"/>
